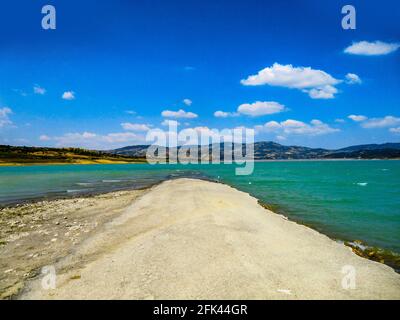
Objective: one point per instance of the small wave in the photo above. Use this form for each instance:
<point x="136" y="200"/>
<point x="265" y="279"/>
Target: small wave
<point x="111" y="181"/>
<point x="384" y="169"/>
<point x="362" y="184"/>
<point x="84" y="184"/>
<point x="76" y="190"/>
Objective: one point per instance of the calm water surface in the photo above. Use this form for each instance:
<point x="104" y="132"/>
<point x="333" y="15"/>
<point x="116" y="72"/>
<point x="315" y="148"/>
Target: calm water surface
<point x="345" y="199"/>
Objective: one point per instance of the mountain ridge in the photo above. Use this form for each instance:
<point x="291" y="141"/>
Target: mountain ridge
<point x="269" y="150"/>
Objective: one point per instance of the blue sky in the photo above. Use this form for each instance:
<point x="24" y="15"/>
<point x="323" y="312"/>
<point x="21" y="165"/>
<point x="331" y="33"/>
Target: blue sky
<point x="113" y="69"/>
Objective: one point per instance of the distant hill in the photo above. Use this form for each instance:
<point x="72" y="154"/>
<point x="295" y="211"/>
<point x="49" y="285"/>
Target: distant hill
<point x="34" y="155"/>
<point x="371" y="147"/>
<point x="268" y="150"/>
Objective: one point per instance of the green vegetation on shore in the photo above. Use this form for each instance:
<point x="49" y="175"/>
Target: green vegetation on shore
<point x="10" y="155"/>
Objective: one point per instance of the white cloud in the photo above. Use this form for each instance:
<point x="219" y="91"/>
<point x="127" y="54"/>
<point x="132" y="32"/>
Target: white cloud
<point x="387" y="121"/>
<point x="98" y="141"/>
<point x="352" y="78"/>
<point x="205" y="135"/>
<point x="178" y="114"/>
<point x="326" y="92"/>
<point x="39" y="90"/>
<point x="44" y="137"/>
<point x="395" y="130"/>
<point x="68" y="95"/>
<point x="340" y="120"/>
<point x="4" y="117"/>
<point x="290" y="126"/>
<point x="376" y="48"/>
<point x="303" y="78"/>
<point x="260" y="108"/>
<point x="357" y="118"/>
<point x="187" y="102"/>
<point x="223" y="114"/>
<point x="131" y="112"/>
<point x="135" y="126"/>
<point x="167" y="123"/>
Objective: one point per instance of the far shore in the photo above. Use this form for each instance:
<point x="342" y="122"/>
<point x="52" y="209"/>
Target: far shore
<point x="26" y="164"/>
<point x="181" y="239"/>
<point x="144" y="161"/>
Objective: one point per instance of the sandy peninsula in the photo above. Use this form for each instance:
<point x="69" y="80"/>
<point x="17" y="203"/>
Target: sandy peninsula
<point x="192" y="239"/>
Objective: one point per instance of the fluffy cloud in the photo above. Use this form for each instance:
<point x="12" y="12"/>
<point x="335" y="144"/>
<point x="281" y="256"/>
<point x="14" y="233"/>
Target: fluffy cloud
<point x="352" y="78"/>
<point x="326" y="92"/>
<point x="288" y="127"/>
<point x="135" y="126"/>
<point x="387" y="121"/>
<point x="395" y="130"/>
<point x="357" y="118"/>
<point x="4" y="117"/>
<point x="187" y="102"/>
<point x="376" y="48"/>
<point x="223" y="114"/>
<point x="317" y="83"/>
<point x="178" y="114"/>
<point x="340" y="120"/>
<point x="260" y="108"/>
<point x="68" y="95"/>
<point x="39" y="90"/>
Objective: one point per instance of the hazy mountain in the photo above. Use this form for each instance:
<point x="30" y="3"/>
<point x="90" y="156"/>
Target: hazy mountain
<point x="274" y="151"/>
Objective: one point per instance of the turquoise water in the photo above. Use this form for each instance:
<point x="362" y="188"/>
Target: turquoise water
<point x="347" y="200"/>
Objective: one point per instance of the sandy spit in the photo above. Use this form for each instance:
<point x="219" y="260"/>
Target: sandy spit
<point x="192" y="239"/>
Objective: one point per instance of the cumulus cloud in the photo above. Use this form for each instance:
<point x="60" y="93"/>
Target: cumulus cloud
<point x="260" y="108"/>
<point x="352" y="78"/>
<point x="326" y="92"/>
<point x="223" y="114"/>
<point x="187" y="102"/>
<point x="357" y="118"/>
<point x="290" y="126"/>
<point x="303" y="78"/>
<point x="135" y="126"/>
<point x="178" y="114"/>
<point x="384" y="122"/>
<point x="4" y="117"/>
<point x="376" y="48"/>
<point x="68" y="95"/>
<point x="395" y="130"/>
<point x="39" y="90"/>
<point x="340" y="120"/>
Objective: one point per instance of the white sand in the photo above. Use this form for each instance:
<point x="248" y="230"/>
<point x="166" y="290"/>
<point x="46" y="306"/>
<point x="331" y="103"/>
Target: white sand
<point x="191" y="239"/>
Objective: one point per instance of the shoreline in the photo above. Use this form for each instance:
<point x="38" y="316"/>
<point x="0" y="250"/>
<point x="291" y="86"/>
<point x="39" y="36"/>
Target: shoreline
<point x="36" y="234"/>
<point x="159" y="189"/>
<point x="144" y="161"/>
<point x="359" y="247"/>
<point x="30" y="164"/>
